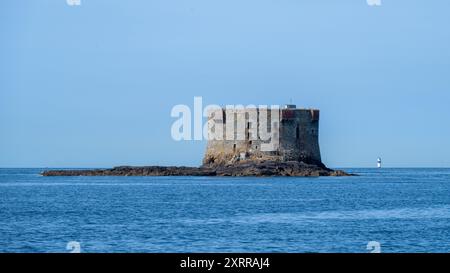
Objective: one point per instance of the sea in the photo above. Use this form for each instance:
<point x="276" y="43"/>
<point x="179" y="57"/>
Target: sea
<point x="380" y="210"/>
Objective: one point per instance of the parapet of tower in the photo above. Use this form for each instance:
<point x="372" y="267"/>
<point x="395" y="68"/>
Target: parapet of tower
<point x="261" y="134"/>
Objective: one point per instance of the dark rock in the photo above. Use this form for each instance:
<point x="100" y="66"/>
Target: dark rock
<point x="265" y="168"/>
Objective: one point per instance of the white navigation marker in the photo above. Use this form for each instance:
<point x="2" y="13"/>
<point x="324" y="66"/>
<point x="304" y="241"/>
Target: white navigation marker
<point x="379" y="163"/>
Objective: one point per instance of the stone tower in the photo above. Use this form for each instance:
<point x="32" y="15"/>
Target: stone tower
<point x="261" y="134"/>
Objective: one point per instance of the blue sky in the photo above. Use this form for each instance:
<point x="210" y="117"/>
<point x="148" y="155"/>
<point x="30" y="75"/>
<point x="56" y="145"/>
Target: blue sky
<point x="93" y="85"/>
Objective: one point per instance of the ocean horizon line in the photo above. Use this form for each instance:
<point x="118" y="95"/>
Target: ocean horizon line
<point x="137" y="166"/>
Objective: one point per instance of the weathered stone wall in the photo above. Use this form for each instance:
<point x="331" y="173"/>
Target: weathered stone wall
<point x="299" y="135"/>
<point x="296" y="129"/>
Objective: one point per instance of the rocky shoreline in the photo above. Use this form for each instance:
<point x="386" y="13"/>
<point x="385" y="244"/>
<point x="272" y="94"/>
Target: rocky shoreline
<point x="267" y="168"/>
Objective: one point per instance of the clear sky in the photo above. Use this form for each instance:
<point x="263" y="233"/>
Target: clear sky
<point x="93" y="85"/>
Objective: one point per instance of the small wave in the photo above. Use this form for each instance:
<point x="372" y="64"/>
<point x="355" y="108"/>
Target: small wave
<point x="292" y="218"/>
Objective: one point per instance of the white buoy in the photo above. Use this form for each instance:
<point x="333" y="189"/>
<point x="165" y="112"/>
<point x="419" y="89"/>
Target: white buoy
<point x="379" y="163"/>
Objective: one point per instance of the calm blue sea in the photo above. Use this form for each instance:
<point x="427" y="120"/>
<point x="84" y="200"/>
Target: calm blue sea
<point x="404" y="210"/>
